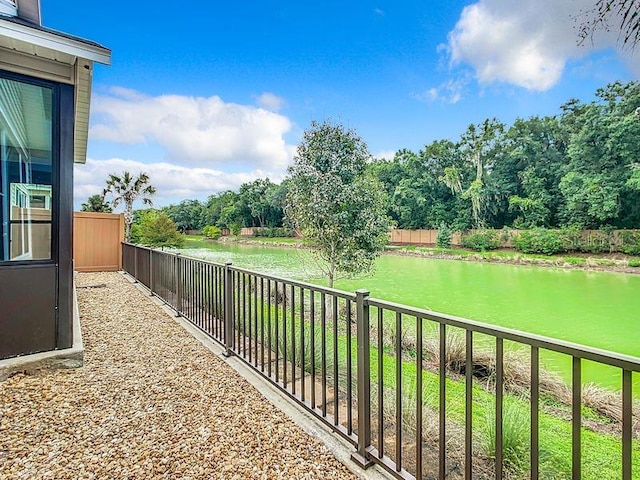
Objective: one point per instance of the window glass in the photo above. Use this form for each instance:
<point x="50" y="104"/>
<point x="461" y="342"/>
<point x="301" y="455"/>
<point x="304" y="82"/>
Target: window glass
<point x="26" y="171"/>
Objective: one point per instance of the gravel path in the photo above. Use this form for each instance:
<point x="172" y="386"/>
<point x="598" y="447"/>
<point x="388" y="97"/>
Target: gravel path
<point x="150" y="402"/>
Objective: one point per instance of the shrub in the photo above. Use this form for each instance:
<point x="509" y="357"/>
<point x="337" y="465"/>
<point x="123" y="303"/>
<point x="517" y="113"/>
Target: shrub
<point x="443" y="240"/>
<point x="235" y="229"/>
<point x="135" y="233"/>
<point x="156" y="229"/>
<point x="212" y="232"/>
<point x="571" y="238"/>
<point x="630" y="242"/>
<point x="598" y="242"/>
<point x="634" y="262"/>
<point x="539" y="240"/>
<point x="481" y="240"/>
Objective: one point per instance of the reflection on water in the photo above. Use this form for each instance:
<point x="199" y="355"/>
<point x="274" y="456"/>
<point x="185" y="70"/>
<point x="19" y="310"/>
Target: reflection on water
<point x="292" y="263"/>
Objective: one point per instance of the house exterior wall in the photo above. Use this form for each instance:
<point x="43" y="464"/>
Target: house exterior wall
<point x="36" y="290"/>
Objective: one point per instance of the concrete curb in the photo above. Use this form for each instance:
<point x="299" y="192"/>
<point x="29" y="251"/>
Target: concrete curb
<point x="340" y="448"/>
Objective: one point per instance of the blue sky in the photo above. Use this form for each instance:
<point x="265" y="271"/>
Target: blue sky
<point x="207" y="97"/>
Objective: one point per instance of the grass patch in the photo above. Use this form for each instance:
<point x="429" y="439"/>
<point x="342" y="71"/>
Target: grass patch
<point x="574" y="260"/>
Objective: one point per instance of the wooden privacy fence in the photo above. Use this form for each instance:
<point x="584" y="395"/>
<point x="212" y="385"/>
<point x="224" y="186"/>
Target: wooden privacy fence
<point x="419" y="237"/>
<point x="429" y="237"/>
<point x="96" y="241"/>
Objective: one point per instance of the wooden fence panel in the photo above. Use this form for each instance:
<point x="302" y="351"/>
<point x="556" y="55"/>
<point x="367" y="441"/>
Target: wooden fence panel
<point x="429" y="237"/>
<point x="96" y="241"/>
<point x="413" y="237"/>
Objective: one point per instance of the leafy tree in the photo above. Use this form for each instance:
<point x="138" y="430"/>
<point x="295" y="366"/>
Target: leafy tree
<point x="336" y="203"/>
<point x="217" y="205"/>
<point x="591" y="200"/>
<point x="156" y="229"/>
<point x="126" y="189"/>
<point x="187" y="215"/>
<point x="96" y="203"/>
<point x="261" y="198"/>
<point x="604" y="146"/>
<point x="479" y="145"/>
<point x="530" y="171"/>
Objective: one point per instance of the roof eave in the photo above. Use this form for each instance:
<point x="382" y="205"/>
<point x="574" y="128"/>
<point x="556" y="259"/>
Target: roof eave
<point x="47" y="39"/>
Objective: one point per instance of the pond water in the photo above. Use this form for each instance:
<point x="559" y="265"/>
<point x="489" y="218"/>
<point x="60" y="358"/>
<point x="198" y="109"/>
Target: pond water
<point x="598" y="309"/>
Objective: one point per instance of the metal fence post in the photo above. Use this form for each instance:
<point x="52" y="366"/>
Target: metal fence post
<point x="178" y="285"/>
<point x="151" y="271"/>
<point x="364" y="379"/>
<point x="228" y="309"/>
<point x="135" y="264"/>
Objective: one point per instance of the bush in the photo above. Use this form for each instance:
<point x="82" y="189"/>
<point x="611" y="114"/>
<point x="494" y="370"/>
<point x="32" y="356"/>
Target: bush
<point x="481" y="240"/>
<point x="571" y="238"/>
<point x="634" y="262"/>
<point x="212" y="232"/>
<point x="630" y="242"/>
<point x="598" y="242"/>
<point x="443" y="240"/>
<point x="539" y="240"/>
<point x="235" y="229"/>
<point x="156" y="229"/>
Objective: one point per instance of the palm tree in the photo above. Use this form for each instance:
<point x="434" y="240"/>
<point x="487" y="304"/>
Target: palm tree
<point x="96" y="203"/>
<point x="126" y="189"/>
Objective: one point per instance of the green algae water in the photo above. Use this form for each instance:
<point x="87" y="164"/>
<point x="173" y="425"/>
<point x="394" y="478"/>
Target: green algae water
<point x="598" y="309"/>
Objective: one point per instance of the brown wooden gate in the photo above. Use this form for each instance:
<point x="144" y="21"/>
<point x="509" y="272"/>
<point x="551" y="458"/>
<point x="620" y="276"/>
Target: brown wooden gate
<point x="96" y="241"/>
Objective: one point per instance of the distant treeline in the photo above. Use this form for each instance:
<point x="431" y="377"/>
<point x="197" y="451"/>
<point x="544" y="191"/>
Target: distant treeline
<point x="580" y="168"/>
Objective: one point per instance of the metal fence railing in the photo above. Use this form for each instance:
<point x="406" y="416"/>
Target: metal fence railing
<point x="422" y="394"/>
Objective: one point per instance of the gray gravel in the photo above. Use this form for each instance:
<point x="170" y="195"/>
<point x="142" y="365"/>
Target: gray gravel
<point x="150" y="402"/>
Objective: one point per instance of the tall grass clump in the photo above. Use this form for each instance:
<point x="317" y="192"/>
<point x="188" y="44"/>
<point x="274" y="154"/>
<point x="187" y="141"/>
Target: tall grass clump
<point x="515" y="437"/>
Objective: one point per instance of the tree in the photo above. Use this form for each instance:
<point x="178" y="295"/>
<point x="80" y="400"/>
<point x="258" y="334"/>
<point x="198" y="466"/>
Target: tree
<point x="156" y="229"/>
<point x="335" y="201"/>
<point x="96" y="203"/>
<point x="126" y="189"/>
<point x="624" y="14"/>
<point x="256" y="196"/>
<point x="479" y="146"/>
<point x="187" y="215"/>
<point x="604" y="146"/>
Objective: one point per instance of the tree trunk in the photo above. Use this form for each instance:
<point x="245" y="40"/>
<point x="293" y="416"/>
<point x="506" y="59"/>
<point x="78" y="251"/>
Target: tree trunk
<point x="331" y="273"/>
<point x="128" y="220"/>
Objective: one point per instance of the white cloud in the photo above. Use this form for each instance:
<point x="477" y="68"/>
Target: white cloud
<point x="385" y="155"/>
<point x="173" y="182"/>
<point x="526" y="43"/>
<point x="271" y="101"/>
<point x="448" y="92"/>
<point x="206" y="132"/>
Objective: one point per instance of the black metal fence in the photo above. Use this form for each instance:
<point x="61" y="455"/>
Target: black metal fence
<point x="422" y="394"/>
